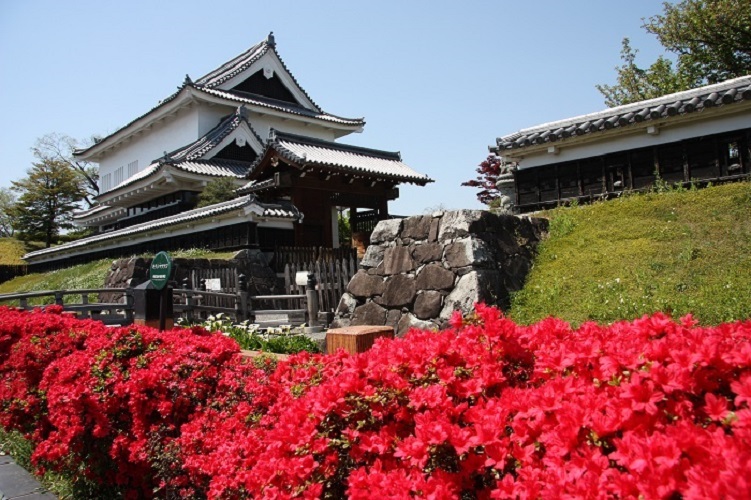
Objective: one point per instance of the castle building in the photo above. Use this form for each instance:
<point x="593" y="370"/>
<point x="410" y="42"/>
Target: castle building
<point x="697" y="136"/>
<point x="249" y="120"/>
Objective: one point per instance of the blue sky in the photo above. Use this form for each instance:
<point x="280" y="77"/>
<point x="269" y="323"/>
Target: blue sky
<point x="438" y="81"/>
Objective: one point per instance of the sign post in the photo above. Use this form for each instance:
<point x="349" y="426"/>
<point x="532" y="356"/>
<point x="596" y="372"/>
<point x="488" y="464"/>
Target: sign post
<point x="160" y="272"/>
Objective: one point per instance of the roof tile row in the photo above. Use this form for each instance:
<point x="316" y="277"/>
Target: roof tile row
<point x="661" y="108"/>
<point x="271" y="210"/>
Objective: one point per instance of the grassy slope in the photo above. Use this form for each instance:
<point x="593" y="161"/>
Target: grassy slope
<point x="89" y="275"/>
<point x="678" y="251"/>
<point x="11" y="251"/>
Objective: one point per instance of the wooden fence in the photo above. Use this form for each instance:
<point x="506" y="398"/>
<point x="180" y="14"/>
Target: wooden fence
<point x="305" y="255"/>
<point x="109" y="313"/>
<point x="189" y="303"/>
<point x="332" y="278"/>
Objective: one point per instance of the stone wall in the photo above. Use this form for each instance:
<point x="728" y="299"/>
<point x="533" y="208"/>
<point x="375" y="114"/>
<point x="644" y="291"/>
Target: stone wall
<point x="262" y="280"/>
<point x="418" y="270"/>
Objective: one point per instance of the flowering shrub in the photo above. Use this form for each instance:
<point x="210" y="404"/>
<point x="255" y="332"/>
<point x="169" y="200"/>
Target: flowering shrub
<point x="486" y="409"/>
<point x="111" y="400"/>
<point x="489" y="409"/>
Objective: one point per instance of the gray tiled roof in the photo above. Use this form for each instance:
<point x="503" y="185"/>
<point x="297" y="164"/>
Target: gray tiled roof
<point x="270" y="210"/>
<point x="343" y="157"/>
<point x="660" y="109"/>
<point x="257" y="100"/>
<point x="255" y="186"/>
<point x="213" y="137"/>
<point x="207" y="84"/>
<point x="235" y="66"/>
<point x="91" y="211"/>
<point x="212" y="167"/>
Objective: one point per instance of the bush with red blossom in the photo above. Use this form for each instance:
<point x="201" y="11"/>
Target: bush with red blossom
<point x="489" y="409"/>
<point x="652" y="408"/>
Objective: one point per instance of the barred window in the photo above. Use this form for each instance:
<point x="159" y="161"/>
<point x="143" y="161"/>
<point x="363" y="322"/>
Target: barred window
<point x="132" y="168"/>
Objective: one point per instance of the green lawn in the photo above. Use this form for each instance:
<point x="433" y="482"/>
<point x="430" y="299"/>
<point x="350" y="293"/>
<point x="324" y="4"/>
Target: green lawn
<point x="89" y="275"/>
<point x="678" y="251"/>
<point x="11" y="251"/>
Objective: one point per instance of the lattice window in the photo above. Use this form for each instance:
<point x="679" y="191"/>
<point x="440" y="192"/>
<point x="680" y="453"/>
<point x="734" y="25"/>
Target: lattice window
<point x="106" y="182"/>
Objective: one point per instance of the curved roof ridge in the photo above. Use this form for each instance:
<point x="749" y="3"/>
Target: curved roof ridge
<point x="240" y="63"/>
<point x="269" y="210"/>
<point x="255" y="99"/>
<point x="655" y="101"/>
<point x="234" y="66"/>
<point x="313" y="141"/>
<point x="658" y="108"/>
<point x="214" y="137"/>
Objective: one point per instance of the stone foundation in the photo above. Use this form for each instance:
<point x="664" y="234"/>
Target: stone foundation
<point x="418" y="271"/>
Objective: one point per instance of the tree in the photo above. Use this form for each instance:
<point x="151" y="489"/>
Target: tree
<point x="345" y="229"/>
<point x="7" y="203"/>
<point x="487" y="176"/>
<point x="711" y="40"/>
<point x="48" y="196"/>
<point x="60" y="147"/>
<point x="216" y="191"/>
<point x="638" y="84"/>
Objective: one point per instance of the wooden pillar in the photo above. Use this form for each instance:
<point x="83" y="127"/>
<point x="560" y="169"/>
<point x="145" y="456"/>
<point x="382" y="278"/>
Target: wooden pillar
<point x="353" y="219"/>
<point x="383" y="208"/>
<point x="686" y="166"/>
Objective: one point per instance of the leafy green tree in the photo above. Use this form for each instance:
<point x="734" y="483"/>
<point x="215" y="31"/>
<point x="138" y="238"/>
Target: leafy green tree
<point x="712" y="38"/>
<point x="216" y="191"/>
<point x="637" y="84"/>
<point x="711" y="41"/>
<point x="48" y="196"/>
<point x="345" y="229"/>
<point x="60" y="147"/>
<point x="7" y="204"/>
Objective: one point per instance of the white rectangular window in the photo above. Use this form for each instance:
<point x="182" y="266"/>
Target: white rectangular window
<point x="118" y="177"/>
<point x="132" y="168"/>
<point x="106" y="182"/>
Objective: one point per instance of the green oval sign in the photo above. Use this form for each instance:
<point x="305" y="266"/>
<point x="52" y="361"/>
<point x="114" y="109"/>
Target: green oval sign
<point x="160" y="270"/>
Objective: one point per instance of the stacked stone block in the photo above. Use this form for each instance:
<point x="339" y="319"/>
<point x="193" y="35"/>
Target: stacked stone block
<point x="418" y="271"/>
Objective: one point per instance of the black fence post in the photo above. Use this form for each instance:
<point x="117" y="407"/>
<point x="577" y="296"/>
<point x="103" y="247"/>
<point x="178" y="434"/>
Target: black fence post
<point x="129" y="305"/>
<point x="189" y="300"/>
<point x="312" y="298"/>
<point x="242" y="297"/>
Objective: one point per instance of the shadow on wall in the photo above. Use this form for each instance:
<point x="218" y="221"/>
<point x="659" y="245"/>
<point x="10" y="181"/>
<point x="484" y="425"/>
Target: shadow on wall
<point x="418" y="271"/>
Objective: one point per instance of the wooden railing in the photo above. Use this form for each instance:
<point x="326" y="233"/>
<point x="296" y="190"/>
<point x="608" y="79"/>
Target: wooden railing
<point x="265" y="310"/>
<point x="110" y="313"/>
<point x="193" y="304"/>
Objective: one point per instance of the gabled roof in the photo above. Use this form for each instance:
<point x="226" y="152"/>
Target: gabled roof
<point x="237" y="65"/>
<point x="206" y="88"/>
<point x="282" y="210"/>
<point x="672" y="107"/>
<point x="274" y="104"/>
<point x="209" y="168"/>
<point x="190" y="158"/>
<point x="307" y="151"/>
<point x="213" y="138"/>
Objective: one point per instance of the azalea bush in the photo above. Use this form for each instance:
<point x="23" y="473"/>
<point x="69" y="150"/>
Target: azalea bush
<point x="104" y="404"/>
<point x="653" y="408"/>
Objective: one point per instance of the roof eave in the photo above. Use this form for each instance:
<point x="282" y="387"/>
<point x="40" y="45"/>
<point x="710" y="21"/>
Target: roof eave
<point x="183" y="97"/>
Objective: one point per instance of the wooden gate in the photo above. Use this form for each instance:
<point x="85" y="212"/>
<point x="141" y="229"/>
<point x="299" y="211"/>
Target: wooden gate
<point x="332" y="277"/>
<point x="222" y="280"/>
